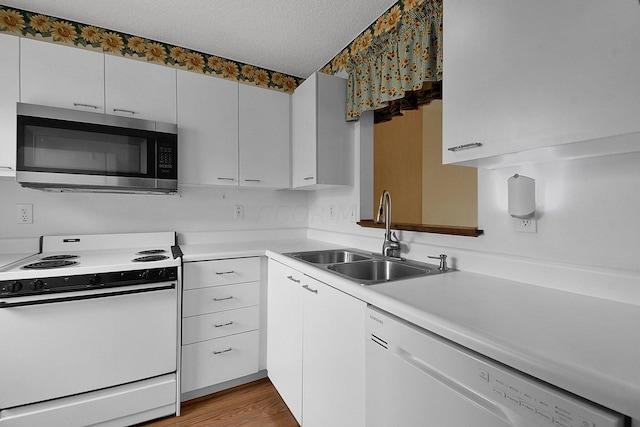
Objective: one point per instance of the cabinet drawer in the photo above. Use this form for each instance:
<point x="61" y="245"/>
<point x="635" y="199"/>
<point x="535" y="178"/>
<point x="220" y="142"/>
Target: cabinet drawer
<point x="216" y="325"/>
<point x="211" y="362"/>
<point x="221" y="272"/>
<point x="220" y="298"/>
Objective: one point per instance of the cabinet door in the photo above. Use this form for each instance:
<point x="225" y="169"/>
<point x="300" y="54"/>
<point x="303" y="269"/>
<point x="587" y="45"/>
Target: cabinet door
<point x="61" y="76"/>
<point x="220" y="298"/>
<point x="304" y="127"/>
<point x="201" y="274"/>
<point x="321" y="139"/>
<point x="222" y="359"/>
<point x="264" y="137"/>
<point x="335" y="139"/>
<point x="284" y="334"/>
<point x="207" y="130"/>
<point x="10" y="83"/>
<point x="333" y="351"/>
<point x="139" y="89"/>
<point x="526" y="75"/>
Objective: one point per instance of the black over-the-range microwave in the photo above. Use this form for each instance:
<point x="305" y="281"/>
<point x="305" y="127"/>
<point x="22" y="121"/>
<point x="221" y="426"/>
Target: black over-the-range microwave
<point x="68" y="150"/>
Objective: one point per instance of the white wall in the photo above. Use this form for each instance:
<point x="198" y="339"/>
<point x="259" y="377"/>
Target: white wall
<point x="588" y="237"/>
<point x="194" y="209"/>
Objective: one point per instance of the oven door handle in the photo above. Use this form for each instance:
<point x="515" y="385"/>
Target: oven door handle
<point x="85" y="297"/>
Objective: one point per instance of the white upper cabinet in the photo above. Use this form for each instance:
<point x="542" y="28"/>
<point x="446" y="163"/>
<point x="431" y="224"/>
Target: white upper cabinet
<point x="521" y="76"/>
<point x="10" y="83"/>
<point x="140" y="89"/>
<point x="207" y="130"/>
<point x="231" y="134"/>
<point x="61" y="76"/>
<point x="321" y="138"/>
<point x="264" y="117"/>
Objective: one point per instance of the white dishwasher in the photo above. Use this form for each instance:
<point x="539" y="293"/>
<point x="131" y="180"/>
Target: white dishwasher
<point x="417" y="378"/>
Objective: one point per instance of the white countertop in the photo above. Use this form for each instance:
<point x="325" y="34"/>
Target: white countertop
<point x="205" y="251"/>
<point x="6" y="259"/>
<point x="586" y="345"/>
<point x="12" y="250"/>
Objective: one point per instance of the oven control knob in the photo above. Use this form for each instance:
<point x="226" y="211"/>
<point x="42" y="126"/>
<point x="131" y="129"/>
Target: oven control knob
<point x="145" y="275"/>
<point x="14" y="287"/>
<point x="164" y="273"/>
<point x="37" y="284"/>
<point x="95" y="280"/>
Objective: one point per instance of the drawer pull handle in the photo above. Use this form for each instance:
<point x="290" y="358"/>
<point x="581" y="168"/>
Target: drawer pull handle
<point x="465" y="146"/>
<point x="223" y="299"/>
<point x="292" y="279"/>
<point x="220" y="273"/>
<point x="315" y="291"/>
<point x="308" y="178"/>
<point x="251" y="180"/>
<point x="78" y="104"/>
<point x="223" y="351"/>
<point x="223" y="324"/>
<point x="226" y="179"/>
<point x="120" y="110"/>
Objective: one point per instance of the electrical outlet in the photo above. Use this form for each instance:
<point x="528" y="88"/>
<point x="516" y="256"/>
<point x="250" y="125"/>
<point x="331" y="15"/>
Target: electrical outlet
<point x="526" y="225"/>
<point x="24" y="213"/>
<point x="238" y="212"/>
<point x="332" y="213"/>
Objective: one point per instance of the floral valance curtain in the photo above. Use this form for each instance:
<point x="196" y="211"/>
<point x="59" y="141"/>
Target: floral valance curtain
<point x="397" y="54"/>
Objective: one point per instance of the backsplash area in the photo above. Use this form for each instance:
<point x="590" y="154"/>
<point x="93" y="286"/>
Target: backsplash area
<point x="194" y="209"/>
<point x="587" y="228"/>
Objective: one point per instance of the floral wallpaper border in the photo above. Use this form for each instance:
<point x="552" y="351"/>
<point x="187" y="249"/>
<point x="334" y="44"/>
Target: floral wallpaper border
<point x="48" y="28"/>
<point x="384" y="27"/>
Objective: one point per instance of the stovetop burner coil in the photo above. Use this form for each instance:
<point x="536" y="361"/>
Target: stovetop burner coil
<point x="151" y="252"/>
<point x="150" y="258"/>
<point x="58" y="257"/>
<point x="40" y="265"/>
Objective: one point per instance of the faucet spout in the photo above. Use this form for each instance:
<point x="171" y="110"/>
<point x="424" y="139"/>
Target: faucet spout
<point x="391" y="245"/>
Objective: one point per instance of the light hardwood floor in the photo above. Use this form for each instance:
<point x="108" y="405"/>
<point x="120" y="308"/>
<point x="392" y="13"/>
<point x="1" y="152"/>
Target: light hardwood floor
<point x="256" y="404"/>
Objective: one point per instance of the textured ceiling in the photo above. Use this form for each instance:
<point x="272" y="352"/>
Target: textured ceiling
<point x="296" y="37"/>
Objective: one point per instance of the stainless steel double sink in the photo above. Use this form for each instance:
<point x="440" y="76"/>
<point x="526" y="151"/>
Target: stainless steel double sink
<point x="365" y="268"/>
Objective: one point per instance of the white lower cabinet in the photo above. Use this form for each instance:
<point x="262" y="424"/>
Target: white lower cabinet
<point x="218" y="360"/>
<point x="284" y="335"/>
<point x="315" y="349"/>
<point x="220" y="321"/>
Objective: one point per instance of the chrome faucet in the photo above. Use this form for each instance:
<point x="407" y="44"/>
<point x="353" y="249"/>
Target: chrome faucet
<point x="391" y="245"/>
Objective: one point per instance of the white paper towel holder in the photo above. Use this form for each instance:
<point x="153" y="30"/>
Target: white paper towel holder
<point x="522" y="202"/>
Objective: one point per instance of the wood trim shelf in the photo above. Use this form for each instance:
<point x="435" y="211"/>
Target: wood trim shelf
<point x="426" y="228"/>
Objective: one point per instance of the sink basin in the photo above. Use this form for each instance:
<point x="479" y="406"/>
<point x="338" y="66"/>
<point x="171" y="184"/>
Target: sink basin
<point x="377" y="271"/>
<point x="330" y="256"/>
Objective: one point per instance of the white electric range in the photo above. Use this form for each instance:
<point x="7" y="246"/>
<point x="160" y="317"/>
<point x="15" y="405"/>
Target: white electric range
<point x="91" y="328"/>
